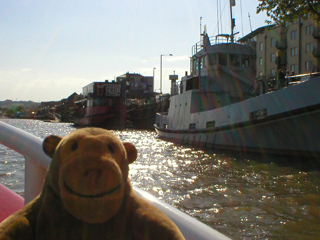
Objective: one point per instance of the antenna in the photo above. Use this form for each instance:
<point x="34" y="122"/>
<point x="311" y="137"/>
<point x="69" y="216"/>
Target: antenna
<point x="232" y="4"/>
<point x="220" y="11"/>
<point x="200" y="29"/>
<point x="250" y="22"/>
<point x="241" y="17"/>
<point x="218" y="17"/>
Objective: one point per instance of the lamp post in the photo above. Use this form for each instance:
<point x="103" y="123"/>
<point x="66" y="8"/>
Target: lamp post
<point x="153" y="78"/>
<point x="161" y="69"/>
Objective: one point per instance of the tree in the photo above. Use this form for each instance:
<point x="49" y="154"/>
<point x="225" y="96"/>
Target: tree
<point x="19" y="108"/>
<point x="281" y="11"/>
<point x="10" y="112"/>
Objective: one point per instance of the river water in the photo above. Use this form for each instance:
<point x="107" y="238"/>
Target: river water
<point x="242" y="196"/>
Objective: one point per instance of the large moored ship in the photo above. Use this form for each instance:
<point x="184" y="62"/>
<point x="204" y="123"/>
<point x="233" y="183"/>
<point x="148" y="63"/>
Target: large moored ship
<point x="222" y="105"/>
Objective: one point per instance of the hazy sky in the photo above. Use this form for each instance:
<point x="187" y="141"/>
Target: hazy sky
<point x="52" y="48"/>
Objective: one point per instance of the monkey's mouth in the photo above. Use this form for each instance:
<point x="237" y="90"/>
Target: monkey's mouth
<point x="91" y="196"/>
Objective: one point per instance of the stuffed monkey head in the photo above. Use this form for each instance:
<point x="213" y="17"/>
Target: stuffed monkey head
<point x="89" y="172"/>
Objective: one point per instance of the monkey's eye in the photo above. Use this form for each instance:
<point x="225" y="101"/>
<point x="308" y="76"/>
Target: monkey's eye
<point x="111" y="148"/>
<point x="74" y="146"/>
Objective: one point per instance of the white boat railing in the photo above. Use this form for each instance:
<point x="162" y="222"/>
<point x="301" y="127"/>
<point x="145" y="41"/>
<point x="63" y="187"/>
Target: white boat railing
<point x="37" y="162"/>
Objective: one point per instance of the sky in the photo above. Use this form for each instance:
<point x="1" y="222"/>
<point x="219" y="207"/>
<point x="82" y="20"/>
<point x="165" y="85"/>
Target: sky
<point x="50" y="49"/>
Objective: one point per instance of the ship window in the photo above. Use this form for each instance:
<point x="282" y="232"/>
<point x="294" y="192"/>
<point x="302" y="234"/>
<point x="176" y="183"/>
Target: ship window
<point x="212" y="59"/>
<point x="245" y="61"/>
<point x="211" y="124"/>
<point x="234" y="60"/>
<point x="100" y="89"/>
<point x="98" y="102"/>
<point x="90" y="103"/>
<point x="223" y="59"/>
<point x="203" y="62"/>
<point x="192" y="126"/>
<point x="259" y="114"/>
<point x="192" y="83"/>
<point x="191" y="67"/>
<point x="195" y="65"/>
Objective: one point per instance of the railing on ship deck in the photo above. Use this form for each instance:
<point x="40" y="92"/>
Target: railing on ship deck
<point x="37" y="163"/>
<point x="218" y="39"/>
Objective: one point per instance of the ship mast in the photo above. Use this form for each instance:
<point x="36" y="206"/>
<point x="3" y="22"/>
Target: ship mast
<point x="232" y="4"/>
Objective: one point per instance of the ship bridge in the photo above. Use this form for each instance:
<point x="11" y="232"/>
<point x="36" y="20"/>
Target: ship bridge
<point x="221" y="66"/>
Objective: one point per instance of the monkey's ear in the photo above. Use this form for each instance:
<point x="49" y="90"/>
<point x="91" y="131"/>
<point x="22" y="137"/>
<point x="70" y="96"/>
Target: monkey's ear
<point x="132" y="152"/>
<point x="50" y="143"/>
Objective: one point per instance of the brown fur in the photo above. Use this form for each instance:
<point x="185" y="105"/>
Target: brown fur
<point x="87" y="195"/>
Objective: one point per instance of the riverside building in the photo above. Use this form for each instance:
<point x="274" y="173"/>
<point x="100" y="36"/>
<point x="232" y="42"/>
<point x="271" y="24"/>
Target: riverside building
<point x="293" y="47"/>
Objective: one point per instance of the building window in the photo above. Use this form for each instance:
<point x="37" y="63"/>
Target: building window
<point x="309" y="66"/>
<point x="261" y="46"/>
<point x="192" y="126"/>
<point x="294" y="34"/>
<point x="309" y="30"/>
<point x="309" y="47"/>
<point x="294" y="69"/>
<point x="260" y="61"/>
<point x="273" y="42"/>
<point x="294" y="51"/>
<point x="273" y="73"/>
<point x="260" y="74"/>
<point x="273" y="57"/>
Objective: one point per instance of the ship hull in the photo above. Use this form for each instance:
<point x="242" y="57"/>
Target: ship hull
<point x="283" y="122"/>
<point x="102" y="117"/>
<point x="93" y="120"/>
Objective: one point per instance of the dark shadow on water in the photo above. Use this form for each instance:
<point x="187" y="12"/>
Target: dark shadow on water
<point x="298" y="162"/>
